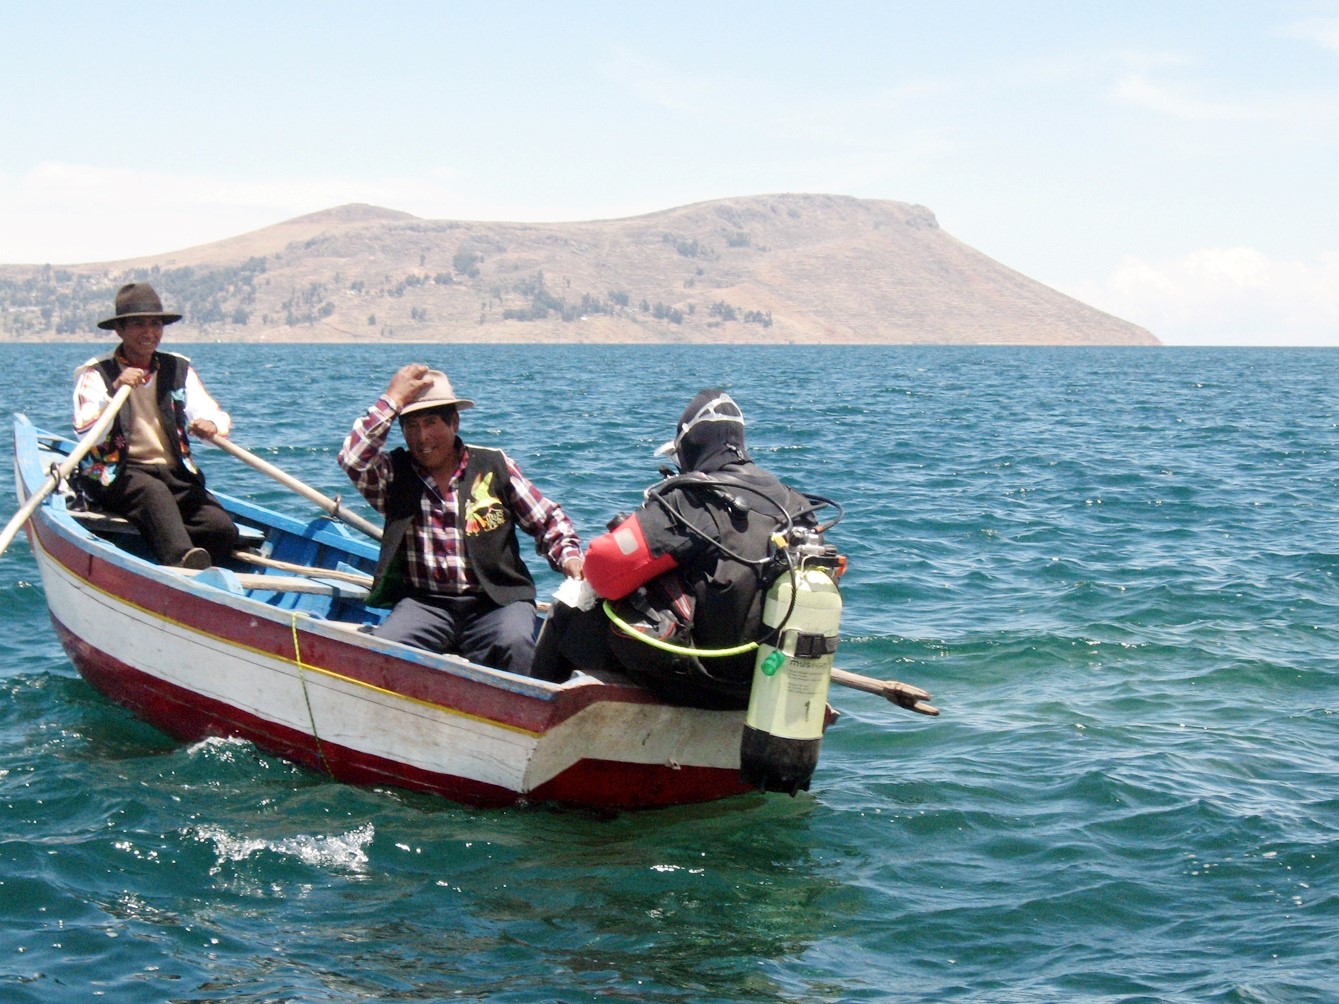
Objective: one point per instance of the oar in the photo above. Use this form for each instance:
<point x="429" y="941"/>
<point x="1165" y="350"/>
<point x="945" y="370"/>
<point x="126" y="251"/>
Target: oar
<point x="357" y="578"/>
<point x="904" y="695"/>
<point x="330" y="505"/>
<point x="91" y="439"/>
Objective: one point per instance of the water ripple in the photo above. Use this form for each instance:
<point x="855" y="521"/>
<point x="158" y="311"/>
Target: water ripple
<point x="1115" y="569"/>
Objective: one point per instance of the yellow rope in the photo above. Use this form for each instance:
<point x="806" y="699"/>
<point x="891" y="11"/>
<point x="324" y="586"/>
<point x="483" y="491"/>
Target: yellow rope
<point x="302" y="676"/>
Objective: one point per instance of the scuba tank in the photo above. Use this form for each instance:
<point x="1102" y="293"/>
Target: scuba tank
<point x="783" y="727"/>
<point x="795" y="641"/>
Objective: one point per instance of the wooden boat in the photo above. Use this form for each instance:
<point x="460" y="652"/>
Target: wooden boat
<point x="284" y="660"/>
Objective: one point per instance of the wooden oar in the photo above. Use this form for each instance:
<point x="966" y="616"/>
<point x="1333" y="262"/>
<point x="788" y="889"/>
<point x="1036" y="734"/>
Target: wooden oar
<point x="357" y="578"/>
<point x="330" y="505"/>
<point x="91" y="439"/>
<point x="904" y="695"/>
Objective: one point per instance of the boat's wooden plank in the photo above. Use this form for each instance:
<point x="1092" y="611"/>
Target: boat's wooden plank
<point x="299" y="584"/>
<point x="334" y="575"/>
<point x="102" y="522"/>
<point x="108" y="523"/>
<point x="253" y="582"/>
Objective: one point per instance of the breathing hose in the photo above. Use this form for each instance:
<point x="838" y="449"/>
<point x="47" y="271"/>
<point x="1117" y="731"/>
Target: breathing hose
<point x="665" y="646"/>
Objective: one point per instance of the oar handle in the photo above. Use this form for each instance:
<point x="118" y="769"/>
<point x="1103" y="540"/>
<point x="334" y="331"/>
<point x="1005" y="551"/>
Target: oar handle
<point x="66" y="467"/>
<point x="904" y="695"/>
<point x="332" y="506"/>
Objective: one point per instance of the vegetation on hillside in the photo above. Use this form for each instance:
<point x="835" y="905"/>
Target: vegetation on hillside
<point x="792" y="268"/>
<point x="69" y="303"/>
<point x="66" y="302"/>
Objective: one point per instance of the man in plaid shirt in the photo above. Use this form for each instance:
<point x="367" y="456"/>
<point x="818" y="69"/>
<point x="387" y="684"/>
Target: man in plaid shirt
<point x="450" y="564"/>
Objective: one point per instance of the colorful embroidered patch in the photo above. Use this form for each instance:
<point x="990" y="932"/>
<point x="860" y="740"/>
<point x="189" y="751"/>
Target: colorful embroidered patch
<point x="483" y="509"/>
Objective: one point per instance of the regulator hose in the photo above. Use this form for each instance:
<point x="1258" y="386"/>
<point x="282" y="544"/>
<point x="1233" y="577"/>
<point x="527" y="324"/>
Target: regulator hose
<point x="665" y="646"/>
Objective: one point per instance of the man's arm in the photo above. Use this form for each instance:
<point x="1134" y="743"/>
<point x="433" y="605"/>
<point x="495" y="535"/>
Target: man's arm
<point x="91" y="396"/>
<point x="555" y="535"/>
<point x="619" y="561"/>
<point x="204" y="417"/>
<point x="363" y="456"/>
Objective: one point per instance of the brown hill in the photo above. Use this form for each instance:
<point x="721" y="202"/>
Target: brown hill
<point x="804" y="269"/>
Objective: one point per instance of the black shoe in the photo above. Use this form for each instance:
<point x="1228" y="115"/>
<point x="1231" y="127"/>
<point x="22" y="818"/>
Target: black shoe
<point x="197" y="558"/>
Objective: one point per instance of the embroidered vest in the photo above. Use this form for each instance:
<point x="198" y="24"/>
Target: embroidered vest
<point x="487" y="530"/>
<point x="105" y="463"/>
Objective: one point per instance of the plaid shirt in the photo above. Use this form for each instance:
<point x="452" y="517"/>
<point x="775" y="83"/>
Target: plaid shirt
<point x="435" y="557"/>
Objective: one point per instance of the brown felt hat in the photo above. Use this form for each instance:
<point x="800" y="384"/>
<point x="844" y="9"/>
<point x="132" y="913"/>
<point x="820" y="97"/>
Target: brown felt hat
<point x="439" y="395"/>
<point x="138" y="299"/>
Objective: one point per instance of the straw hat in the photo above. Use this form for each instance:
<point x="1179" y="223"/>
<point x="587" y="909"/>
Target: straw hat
<point x="439" y="395"/>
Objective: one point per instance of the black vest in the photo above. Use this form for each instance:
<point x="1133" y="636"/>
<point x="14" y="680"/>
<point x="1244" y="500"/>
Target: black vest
<point x="106" y="462"/>
<point x="728" y="595"/>
<point x="487" y="530"/>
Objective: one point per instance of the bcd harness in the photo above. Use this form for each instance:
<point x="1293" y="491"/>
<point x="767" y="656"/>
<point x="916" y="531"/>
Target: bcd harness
<point x="789" y="547"/>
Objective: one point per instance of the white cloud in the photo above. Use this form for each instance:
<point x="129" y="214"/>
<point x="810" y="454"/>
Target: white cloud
<point x="63" y="213"/>
<point x="1226" y="296"/>
<point x="1324" y="31"/>
<point x="1137" y="89"/>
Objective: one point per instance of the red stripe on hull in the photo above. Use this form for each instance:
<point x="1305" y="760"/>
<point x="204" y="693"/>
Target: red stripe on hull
<point x="188" y="716"/>
<point x="275" y="637"/>
<point x="482" y="699"/>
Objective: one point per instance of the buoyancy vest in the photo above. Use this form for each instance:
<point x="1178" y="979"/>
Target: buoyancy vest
<point x="486" y="524"/>
<point x="728" y="594"/>
<point x="105" y="463"/>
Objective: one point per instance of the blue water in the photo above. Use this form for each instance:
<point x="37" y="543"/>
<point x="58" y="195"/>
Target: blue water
<point x="1115" y="569"/>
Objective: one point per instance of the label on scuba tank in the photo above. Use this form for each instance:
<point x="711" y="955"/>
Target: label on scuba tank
<point x="791" y="701"/>
<point x="788" y="699"/>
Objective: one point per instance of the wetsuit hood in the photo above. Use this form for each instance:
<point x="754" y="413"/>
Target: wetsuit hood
<point x="710" y="434"/>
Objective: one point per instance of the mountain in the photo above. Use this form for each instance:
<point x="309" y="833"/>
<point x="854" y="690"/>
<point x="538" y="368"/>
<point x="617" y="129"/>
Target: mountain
<point x="802" y="269"/>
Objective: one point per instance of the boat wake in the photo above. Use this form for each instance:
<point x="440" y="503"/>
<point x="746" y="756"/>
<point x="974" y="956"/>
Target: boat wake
<point x="341" y="852"/>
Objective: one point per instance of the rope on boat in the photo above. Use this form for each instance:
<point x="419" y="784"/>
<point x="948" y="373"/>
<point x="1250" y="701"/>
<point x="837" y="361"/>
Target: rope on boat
<point x="311" y="717"/>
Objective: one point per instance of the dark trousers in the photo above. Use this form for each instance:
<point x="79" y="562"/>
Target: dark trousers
<point x="571" y="639"/>
<point x="172" y="511"/>
<point x="470" y="626"/>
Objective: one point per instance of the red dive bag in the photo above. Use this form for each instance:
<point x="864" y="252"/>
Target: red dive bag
<point x="619" y="561"/>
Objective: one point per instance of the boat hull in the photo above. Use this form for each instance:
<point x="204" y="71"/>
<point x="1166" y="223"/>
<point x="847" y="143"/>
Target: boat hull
<point x="197" y="656"/>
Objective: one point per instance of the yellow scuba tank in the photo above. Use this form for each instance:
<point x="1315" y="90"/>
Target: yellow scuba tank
<point x="783" y="727"/>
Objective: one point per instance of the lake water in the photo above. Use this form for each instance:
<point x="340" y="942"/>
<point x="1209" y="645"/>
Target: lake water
<point x="1114" y="568"/>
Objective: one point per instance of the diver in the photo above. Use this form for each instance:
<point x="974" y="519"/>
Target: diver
<point x="690" y="569"/>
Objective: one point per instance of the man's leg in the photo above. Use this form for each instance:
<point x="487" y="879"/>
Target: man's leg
<point x="424" y="623"/>
<point x="147" y="501"/>
<point x="571" y="639"/>
<point x="207" y="522"/>
<point x="501" y="637"/>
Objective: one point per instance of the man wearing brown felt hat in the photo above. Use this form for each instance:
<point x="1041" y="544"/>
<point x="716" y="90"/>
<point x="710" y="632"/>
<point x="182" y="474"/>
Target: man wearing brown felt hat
<point x="144" y="469"/>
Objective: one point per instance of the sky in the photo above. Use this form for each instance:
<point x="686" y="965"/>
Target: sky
<point x="1175" y="163"/>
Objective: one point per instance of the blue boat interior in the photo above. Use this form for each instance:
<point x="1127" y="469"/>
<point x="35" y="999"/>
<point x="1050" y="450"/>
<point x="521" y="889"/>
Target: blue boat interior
<point x="317" y="567"/>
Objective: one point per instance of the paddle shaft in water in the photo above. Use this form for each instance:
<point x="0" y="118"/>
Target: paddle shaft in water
<point x="904" y="695"/>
